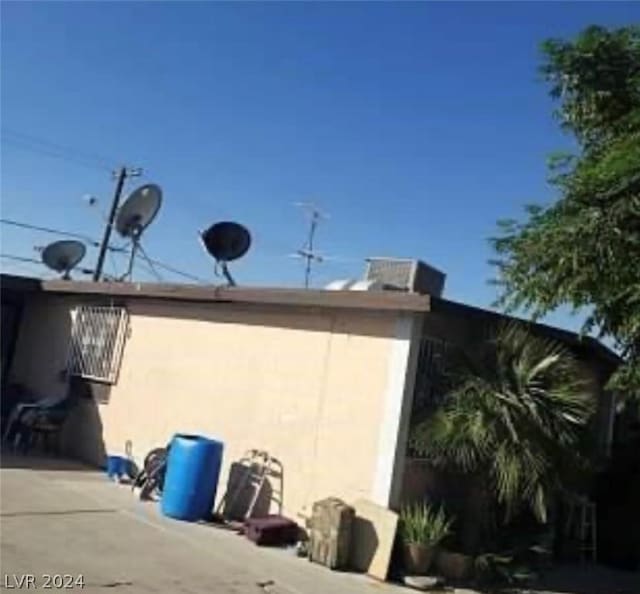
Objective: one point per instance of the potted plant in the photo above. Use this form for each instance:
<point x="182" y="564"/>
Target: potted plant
<point x="454" y="565"/>
<point x="422" y="527"/>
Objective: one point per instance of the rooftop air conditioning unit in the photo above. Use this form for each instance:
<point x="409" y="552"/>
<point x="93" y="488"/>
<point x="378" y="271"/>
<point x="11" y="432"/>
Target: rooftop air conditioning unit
<point x="413" y="276"/>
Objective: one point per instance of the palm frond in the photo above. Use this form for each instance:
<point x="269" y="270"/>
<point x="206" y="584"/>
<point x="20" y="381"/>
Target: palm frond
<point x="514" y="409"/>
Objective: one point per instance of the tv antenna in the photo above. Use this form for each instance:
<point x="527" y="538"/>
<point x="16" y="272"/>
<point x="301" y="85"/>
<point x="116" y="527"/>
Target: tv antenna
<point x="226" y="241"/>
<point x="135" y="215"/>
<point x="306" y="252"/>
<point x="63" y="256"/>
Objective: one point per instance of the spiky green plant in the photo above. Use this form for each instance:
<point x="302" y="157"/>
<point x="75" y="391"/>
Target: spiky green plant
<point x="421" y="523"/>
<point x="514" y="414"/>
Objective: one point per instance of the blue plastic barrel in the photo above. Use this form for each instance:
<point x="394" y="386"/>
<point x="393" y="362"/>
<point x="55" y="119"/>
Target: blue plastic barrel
<point x="191" y="479"/>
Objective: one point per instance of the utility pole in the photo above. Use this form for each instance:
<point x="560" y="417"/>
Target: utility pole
<point x="121" y="176"/>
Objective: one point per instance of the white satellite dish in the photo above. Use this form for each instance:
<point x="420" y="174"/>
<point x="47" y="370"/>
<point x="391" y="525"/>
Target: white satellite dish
<point x="63" y="256"/>
<point x="135" y="215"/>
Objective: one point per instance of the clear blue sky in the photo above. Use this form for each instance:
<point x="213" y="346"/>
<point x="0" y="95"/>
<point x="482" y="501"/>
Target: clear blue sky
<point x="415" y="125"/>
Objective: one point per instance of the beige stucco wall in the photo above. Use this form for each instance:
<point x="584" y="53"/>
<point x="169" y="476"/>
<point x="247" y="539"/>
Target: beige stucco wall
<point x="306" y="387"/>
<point x="309" y="386"/>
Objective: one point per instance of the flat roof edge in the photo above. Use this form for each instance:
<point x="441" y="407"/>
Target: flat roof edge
<point x="361" y="300"/>
<point x="562" y="334"/>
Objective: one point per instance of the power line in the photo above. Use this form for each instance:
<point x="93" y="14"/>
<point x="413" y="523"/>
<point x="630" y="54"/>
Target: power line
<point x="49" y="230"/>
<point x="52" y="149"/>
<point x="151" y="263"/>
<point x="55" y="154"/>
<point x="93" y="242"/>
<point x="80" y="236"/>
<point x="20" y="258"/>
<point x="169" y="268"/>
<point x="148" y="268"/>
<point x="151" y="266"/>
<point x="40" y="262"/>
<point x="39" y="140"/>
<point x="22" y="264"/>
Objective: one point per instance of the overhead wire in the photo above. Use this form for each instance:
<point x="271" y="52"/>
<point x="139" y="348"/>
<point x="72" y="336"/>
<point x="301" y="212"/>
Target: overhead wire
<point x="47" y="230"/>
<point x="53" y="149"/>
<point x="48" y="148"/>
<point x="85" y="158"/>
<point x="53" y="231"/>
<point x="20" y="258"/>
<point x="118" y="249"/>
<point x="177" y="272"/>
<point x="142" y="265"/>
<point x="25" y="264"/>
<point x="151" y="265"/>
<point x="18" y="265"/>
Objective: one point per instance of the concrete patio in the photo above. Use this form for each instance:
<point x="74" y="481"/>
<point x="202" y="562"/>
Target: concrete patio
<point x="59" y="517"/>
<point x="62" y="518"/>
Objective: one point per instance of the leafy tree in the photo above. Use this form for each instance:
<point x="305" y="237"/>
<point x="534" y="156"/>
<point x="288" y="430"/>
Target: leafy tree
<point x="584" y="250"/>
<point x="514" y="418"/>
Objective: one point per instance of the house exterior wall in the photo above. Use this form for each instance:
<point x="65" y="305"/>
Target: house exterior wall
<point x="321" y="390"/>
<point x="42" y="344"/>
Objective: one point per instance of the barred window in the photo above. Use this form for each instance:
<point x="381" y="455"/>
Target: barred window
<point x="430" y="373"/>
<point x="97" y="340"/>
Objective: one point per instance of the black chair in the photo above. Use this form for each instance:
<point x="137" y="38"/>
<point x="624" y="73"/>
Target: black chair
<point x="41" y="426"/>
<point x="13" y="395"/>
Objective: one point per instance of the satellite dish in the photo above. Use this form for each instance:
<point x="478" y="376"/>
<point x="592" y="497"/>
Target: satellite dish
<point x="63" y="256"/>
<point x="136" y="214"/>
<point x="226" y="241"/>
<point x="139" y="210"/>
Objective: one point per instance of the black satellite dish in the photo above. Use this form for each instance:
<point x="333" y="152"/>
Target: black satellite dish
<point x="226" y="241"/>
<point x="63" y="256"/>
<point x="136" y="214"/>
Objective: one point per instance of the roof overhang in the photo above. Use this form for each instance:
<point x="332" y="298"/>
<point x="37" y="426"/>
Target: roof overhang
<point x="358" y="300"/>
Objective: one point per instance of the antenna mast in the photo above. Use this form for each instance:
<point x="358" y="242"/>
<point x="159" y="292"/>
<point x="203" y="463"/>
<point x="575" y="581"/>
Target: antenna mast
<point x="306" y="252"/>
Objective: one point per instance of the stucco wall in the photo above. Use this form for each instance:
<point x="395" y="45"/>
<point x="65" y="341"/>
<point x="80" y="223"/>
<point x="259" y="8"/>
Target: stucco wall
<point x="306" y="387"/>
<point x="311" y="387"/>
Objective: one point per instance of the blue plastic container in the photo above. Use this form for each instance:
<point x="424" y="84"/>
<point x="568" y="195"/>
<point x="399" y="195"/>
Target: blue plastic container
<point x="191" y="479"/>
<point x="117" y="467"/>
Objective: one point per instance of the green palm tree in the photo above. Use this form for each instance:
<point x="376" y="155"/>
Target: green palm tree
<point x="513" y="416"/>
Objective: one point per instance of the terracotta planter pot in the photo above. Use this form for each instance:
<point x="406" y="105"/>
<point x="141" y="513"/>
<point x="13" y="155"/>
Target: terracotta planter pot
<point x="418" y="558"/>
<point x="454" y="566"/>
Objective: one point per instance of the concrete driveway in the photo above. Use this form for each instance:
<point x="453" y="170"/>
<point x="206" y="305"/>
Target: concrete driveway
<point x="62" y="518"/>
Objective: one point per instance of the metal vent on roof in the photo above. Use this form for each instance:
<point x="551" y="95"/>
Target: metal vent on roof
<point x="413" y="276"/>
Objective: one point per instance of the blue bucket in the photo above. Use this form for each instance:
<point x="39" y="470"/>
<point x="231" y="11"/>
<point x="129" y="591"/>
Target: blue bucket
<point x="117" y="467"/>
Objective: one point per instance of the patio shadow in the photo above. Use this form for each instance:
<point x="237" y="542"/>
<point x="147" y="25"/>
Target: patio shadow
<point x="587" y="579"/>
<point x="37" y="461"/>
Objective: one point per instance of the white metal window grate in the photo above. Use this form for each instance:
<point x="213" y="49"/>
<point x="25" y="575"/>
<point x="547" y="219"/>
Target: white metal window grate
<point x="97" y="340"/>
